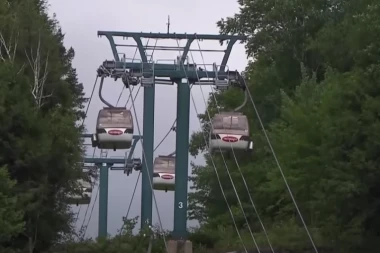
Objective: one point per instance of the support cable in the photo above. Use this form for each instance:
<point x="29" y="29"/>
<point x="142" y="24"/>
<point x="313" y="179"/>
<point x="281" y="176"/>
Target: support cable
<point x="106" y="153"/>
<point x="92" y="210"/>
<point x="133" y="99"/>
<point x="166" y="136"/>
<point x="212" y="161"/>
<point x="123" y="88"/>
<point x="218" y="178"/>
<point x="149" y="176"/>
<point x="138" y="90"/>
<point x="175" y="121"/>
<point x="93" y="204"/>
<point x="280" y="168"/>
<point x="130" y="203"/>
<point x="84" y="119"/>
<point x="96" y="196"/>
<point x="89" y="101"/>
<point x="151" y="58"/>
<point x="120" y="95"/>
<point x="134" y="56"/>
<point x="236" y="160"/>
<point x="228" y="171"/>
<point x="88" y="206"/>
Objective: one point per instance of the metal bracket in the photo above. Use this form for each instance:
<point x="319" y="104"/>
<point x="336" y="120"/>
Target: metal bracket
<point x="221" y="84"/>
<point x="128" y="77"/>
<point x="137" y="164"/>
<point x="118" y="68"/>
<point x="147" y="79"/>
<point x="130" y="162"/>
<point x="101" y="95"/>
<point x="237" y="79"/>
<point x="232" y="39"/>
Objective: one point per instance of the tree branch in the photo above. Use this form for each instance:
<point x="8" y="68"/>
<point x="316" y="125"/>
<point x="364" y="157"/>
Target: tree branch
<point x="39" y="79"/>
<point x="10" y="48"/>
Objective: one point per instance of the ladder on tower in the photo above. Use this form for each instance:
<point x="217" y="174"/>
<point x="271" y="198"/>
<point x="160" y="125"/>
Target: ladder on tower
<point x="149" y="57"/>
<point x="147" y="79"/>
<point x="221" y="84"/>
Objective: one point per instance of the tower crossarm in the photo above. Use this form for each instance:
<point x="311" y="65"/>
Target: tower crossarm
<point x="175" y="71"/>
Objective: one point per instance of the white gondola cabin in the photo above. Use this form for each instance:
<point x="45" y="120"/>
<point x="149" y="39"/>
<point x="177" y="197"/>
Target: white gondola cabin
<point x="230" y="130"/>
<point x="114" y="129"/>
<point x="83" y="197"/>
<point x="164" y="173"/>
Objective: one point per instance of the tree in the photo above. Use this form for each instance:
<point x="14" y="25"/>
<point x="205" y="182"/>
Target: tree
<point x="314" y="79"/>
<point x="40" y="103"/>
<point x="11" y="222"/>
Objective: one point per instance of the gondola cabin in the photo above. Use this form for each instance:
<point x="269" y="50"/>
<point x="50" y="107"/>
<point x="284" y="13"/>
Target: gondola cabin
<point x="83" y="197"/>
<point x="114" y="129"/>
<point x="164" y="173"/>
<point x="230" y="130"/>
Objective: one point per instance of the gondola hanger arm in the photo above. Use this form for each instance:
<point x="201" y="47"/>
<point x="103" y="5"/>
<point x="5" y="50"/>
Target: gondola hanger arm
<point x="101" y="95"/>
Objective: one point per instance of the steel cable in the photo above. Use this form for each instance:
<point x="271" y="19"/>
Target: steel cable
<point x="216" y="171"/>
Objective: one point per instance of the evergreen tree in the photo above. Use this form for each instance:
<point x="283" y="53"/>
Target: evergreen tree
<point x="314" y="79"/>
<point x="41" y="102"/>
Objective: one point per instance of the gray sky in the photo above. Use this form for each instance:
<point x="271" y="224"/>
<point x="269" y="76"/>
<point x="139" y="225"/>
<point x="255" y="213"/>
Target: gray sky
<point x="80" y="21"/>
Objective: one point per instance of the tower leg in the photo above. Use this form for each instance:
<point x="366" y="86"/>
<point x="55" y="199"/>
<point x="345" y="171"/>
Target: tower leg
<point x="103" y="201"/>
<point x="182" y="162"/>
<point x="147" y="159"/>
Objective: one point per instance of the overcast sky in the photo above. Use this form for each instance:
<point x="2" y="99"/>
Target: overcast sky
<point x="80" y="21"/>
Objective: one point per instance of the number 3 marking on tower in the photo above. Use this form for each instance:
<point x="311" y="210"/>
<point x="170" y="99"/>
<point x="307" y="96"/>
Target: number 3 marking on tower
<point x="180" y="205"/>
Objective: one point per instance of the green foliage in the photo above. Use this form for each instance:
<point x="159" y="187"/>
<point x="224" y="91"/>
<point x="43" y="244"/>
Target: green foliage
<point x="124" y="241"/>
<point x="40" y="103"/>
<point x="10" y="212"/>
<point x="314" y="80"/>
